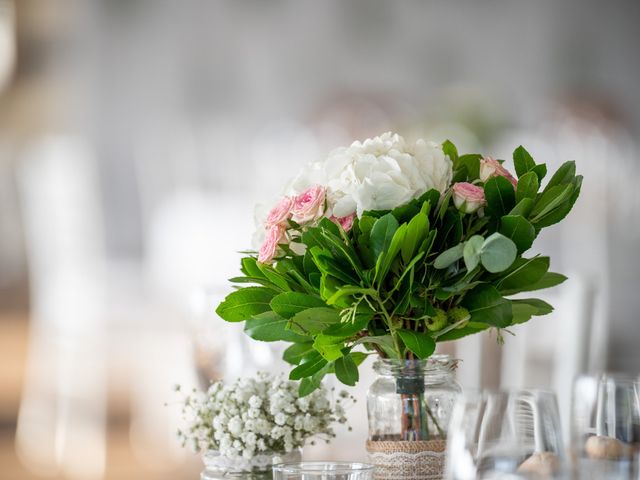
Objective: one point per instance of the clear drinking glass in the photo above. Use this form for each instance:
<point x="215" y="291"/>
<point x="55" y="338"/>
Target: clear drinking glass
<point x="323" y="471"/>
<point x="605" y="427"/>
<point x="506" y="435"/>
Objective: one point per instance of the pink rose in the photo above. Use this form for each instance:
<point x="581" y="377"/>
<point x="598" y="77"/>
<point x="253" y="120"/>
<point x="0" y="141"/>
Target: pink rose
<point x="309" y="205"/>
<point x="280" y="213"/>
<point x="467" y="197"/>
<point x="490" y="167"/>
<point x="345" y="222"/>
<point x="275" y="235"/>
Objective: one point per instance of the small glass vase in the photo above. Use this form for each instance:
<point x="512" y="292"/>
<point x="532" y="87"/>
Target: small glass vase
<point x="409" y="406"/>
<point x="218" y="467"/>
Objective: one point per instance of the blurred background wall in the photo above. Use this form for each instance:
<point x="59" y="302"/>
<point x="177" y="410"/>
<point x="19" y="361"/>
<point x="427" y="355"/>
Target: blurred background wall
<point x="136" y="136"/>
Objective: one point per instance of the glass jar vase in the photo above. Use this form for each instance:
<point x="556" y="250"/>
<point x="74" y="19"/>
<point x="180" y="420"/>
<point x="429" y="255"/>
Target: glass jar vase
<point x="409" y="406"/>
<point x="218" y="467"/>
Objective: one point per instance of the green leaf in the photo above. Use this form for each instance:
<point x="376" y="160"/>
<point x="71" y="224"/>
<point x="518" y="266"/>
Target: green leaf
<point x="540" y="170"/>
<point x="518" y="229"/>
<point x="387" y="257"/>
<point x="470" y="329"/>
<point x="314" y="320"/>
<point x="385" y="342"/>
<point x="288" y="304"/>
<point x="471" y="162"/>
<point x="499" y="195"/>
<point x="522" y="161"/>
<point x="245" y="303"/>
<point x="312" y="364"/>
<point x="328" y="346"/>
<point x="348" y="291"/>
<point x="382" y="233"/>
<point x="523" y="207"/>
<point x="348" y="329"/>
<point x="564" y="175"/>
<point x="417" y="231"/>
<point x="449" y="256"/>
<point x="471" y="252"/>
<point x="308" y="385"/>
<point x="559" y="213"/>
<point x="295" y="353"/>
<point x="274" y="277"/>
<point x="498" y="253"/>
<point x="524" y="308"/>
<point x="551" y="199"/>
<point x="346" y="370"/>
<point x="450" y="150"/>
<point x="524" y="273"/>
<point x="548" y="280"/>
<point x="527" y="187"/>
<point x="250" y="267"/>
<point x="486" y="305"/>
<point x="421" y="344"/>
<point x="271" y="327"/>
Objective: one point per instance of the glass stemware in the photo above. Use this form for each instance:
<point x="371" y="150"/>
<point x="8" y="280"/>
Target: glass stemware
<point x="506" y="435"/>
<point x="323" y="471"/>
<point x="605" y="427"/>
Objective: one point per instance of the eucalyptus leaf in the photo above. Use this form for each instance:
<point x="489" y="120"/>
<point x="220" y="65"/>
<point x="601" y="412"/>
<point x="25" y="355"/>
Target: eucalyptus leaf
<point x="449" y="256"/>
<point x="498" y="253"/>
<point x="471" y="252"/>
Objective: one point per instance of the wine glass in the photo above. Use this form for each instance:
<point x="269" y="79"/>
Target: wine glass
<point x="605" y="427"/>
<point x="506" y="435"/>
<point x="323" y="471"/>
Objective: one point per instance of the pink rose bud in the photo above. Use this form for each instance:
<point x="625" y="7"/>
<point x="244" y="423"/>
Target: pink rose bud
<point x="467" y="197"/>
<point x="490" y="167"/>
<point x="309" y="205"/>
<point x="280" y="213"/>
<point x="275" y="235"/>
<point x="345" y="222"/>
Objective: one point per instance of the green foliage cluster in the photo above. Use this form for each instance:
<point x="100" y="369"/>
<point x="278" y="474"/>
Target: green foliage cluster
<point x="401" y="280"/>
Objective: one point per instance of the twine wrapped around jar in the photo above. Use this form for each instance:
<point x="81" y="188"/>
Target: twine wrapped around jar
<point x="403" y="460"/>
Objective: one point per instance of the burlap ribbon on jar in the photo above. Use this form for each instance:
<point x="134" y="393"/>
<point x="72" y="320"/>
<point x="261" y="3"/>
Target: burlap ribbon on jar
<point x="419" y="460"/>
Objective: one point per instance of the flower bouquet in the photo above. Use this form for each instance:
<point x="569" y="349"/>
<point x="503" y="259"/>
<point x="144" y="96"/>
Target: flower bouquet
<point x="389" y="247"/>
<point x="244" y="427"/>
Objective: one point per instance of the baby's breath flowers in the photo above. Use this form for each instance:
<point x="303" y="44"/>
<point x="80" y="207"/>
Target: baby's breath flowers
<point x="256" y="415"/>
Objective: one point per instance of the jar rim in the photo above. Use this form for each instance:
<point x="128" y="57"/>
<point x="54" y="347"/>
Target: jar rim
<point x="438" y="363"/>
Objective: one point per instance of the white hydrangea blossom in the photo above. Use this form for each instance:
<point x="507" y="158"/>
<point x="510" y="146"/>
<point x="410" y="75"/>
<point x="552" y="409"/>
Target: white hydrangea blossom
<point x="254" y="415"/>
<point x="380" y="173"/>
